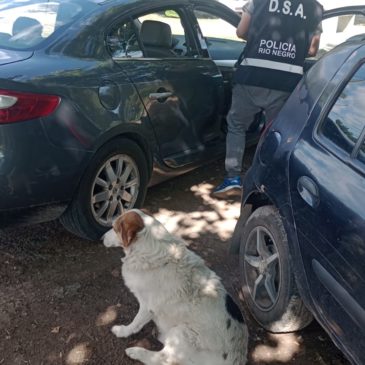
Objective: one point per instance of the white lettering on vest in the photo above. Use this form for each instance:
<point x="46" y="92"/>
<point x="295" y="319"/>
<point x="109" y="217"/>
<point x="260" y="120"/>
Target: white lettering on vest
<point x="286" y="9"/>
<point x="274" y="5"/>
<point x="275" y="48"/>
<point x="300" y="11"/>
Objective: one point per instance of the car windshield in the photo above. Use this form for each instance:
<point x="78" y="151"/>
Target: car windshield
<point x="24" y="24"/>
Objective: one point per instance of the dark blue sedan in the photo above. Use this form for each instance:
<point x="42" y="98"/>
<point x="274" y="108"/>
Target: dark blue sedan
<point x="301" y="233"/>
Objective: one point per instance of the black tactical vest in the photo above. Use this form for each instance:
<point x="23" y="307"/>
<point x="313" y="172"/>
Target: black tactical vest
<point x="278" y="41"/>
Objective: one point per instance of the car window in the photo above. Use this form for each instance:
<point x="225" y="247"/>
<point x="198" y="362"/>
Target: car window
<point x="338" y="29"/>
<point x="179" y="42"/>
<point x="219" y="36"/>
<point x="25" y="24"/>
<point x="345" y="122"/>
<point x="159" y="34"/>
<point x="122" y="40"/>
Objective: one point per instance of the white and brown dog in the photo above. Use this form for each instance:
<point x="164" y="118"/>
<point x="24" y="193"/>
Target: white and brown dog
<point x="197" y="321"/>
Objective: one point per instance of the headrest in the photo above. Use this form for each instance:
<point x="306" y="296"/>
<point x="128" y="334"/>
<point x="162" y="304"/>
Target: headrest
<point x="156" y="34"/>
<point x="24" y="23"/>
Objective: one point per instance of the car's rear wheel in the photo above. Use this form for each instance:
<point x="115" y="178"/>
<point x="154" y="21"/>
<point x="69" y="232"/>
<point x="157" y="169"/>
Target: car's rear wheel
<point x="268" y="283"/>
<point x="115" y="181"/>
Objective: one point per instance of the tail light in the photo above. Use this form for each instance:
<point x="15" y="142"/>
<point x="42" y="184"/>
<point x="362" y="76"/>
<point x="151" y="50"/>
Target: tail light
<point x="18" y="106"/>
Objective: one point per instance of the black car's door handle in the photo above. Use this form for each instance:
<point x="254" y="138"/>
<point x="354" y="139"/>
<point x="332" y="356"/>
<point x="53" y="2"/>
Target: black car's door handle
<point x="160" y="96"/>
<point x="308" y="190"/>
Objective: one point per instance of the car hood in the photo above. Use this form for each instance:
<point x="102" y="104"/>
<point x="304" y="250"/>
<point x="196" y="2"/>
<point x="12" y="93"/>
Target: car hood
<point x="11" y="56"/>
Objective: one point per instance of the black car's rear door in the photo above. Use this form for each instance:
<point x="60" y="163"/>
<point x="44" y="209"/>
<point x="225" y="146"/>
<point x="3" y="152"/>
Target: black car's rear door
<point x="327" y="187"/>
<point x="217" y="28"/>
<point x="182" y="92"/>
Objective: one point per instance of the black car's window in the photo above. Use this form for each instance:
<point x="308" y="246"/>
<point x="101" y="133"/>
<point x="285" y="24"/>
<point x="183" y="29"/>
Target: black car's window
<point x="158" y="34"/>
<point x="346" y="121"/>
<point x="25" y="24"/>
<point x="219" y="36"/>
<point x="163" y="34"/>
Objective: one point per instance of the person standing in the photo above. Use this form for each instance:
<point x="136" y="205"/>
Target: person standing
<point x="280" y="34"/>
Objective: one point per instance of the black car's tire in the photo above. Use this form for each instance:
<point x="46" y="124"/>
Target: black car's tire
<point x="267" y="280"/>
<point x="115" y="180"/>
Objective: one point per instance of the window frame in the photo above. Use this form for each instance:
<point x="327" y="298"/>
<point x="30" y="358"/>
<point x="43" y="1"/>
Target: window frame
<point x="352" y="158"/>
<point x="133" y="18"/>
<point x="216" y="12"/>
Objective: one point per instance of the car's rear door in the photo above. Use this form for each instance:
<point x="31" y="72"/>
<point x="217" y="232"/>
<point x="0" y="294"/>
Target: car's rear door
<point x="327" y="188"/>
<point x="217" y="27"/>
<point x="219" y="42"/>
<point x="182" y="92"/>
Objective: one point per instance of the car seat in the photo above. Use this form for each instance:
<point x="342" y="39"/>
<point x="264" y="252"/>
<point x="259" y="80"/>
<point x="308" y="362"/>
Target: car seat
<point x="156" y="38"/>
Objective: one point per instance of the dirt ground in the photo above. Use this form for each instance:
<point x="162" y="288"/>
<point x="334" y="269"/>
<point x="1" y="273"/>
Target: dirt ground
<point x="60" y="295"/>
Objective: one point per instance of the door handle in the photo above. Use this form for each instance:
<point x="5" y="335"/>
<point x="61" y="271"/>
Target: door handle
<point x="308" y="190"/>
<point x="159" y="96"/>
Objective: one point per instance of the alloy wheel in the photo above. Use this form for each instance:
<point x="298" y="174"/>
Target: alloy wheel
<point x="115" y="189"/>
<point x="262" y="268"/>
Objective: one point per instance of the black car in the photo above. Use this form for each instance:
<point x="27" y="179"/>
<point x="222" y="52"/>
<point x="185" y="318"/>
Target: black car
<point x="301" y="233"/>
<point x="100" y="99"/>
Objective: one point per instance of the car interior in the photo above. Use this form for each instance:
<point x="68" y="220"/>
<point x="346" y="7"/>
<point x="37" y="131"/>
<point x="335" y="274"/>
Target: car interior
<point x="156" y="38"/>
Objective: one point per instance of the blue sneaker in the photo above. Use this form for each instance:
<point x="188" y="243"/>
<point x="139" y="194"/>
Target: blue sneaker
<point x="230" y="186"/>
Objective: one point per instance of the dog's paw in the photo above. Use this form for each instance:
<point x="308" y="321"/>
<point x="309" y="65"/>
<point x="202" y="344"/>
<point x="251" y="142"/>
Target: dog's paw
<point x="135" y="353"/>
<point x="121" y="331"/>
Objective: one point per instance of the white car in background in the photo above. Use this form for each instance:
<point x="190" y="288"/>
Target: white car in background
<point x="235" y="5"/>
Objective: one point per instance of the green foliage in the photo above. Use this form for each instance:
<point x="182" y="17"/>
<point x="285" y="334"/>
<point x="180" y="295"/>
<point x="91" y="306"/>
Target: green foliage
<point x="171" y="14"/>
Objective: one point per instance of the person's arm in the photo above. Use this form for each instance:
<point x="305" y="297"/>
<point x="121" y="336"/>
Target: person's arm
<point x="313" y="48"/>
<point x="244" y="24"/>
<point x="316" y="38"/>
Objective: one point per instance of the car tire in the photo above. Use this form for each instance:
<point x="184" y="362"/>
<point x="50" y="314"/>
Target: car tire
<point x="115" y="180"/>
<point x="267" y="279"/>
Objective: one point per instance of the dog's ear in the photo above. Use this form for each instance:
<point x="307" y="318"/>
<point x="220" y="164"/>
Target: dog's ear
<point x="127" y="226"/>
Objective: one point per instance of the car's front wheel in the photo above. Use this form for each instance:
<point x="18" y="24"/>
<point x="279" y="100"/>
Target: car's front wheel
<point x="268" y="283"/>
<point x="115" y="181"/>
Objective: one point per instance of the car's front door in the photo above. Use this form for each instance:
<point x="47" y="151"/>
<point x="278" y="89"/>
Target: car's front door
<point x="327" y="187"/>
<point x="182" y="92"/>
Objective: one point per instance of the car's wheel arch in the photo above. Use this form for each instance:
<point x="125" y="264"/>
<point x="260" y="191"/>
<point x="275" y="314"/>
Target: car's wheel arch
<point x="139" y="139"/>
<point x="252" y="202"/>
<point x="78" y="218"/>
<point x="142" y="137"/>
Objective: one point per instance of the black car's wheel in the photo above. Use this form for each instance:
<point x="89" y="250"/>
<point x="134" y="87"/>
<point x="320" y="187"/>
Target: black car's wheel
<point x="115" y="180"/>
<point x="267" y="280"/>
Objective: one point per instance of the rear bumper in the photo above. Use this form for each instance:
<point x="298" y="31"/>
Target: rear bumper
<point x="31" y="215"/>
<point x="37" y="178"/>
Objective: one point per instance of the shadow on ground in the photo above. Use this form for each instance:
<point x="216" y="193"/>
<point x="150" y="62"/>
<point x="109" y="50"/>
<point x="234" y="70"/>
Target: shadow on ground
<point x="59" y="295"/>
